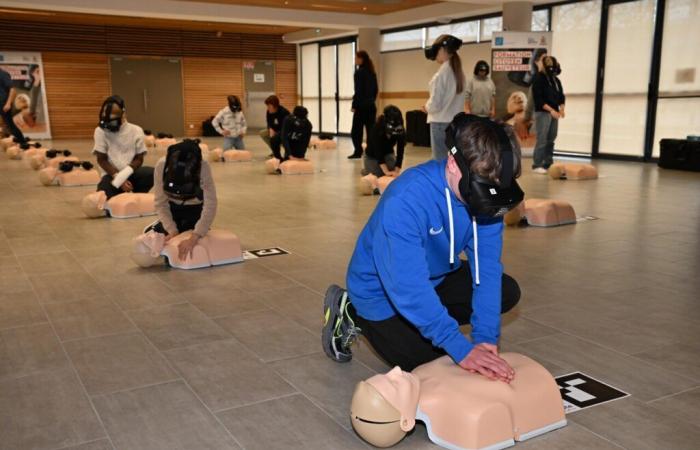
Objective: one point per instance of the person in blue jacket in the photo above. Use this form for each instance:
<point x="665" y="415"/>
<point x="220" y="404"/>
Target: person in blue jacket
<point x="408" y="291"/>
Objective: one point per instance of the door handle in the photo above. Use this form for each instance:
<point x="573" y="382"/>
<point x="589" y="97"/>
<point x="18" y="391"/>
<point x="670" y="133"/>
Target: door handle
<point x="145" y="100"/>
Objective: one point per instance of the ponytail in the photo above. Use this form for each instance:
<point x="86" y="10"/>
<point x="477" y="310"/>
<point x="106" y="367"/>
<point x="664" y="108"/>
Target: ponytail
<point x="456" y="65"/>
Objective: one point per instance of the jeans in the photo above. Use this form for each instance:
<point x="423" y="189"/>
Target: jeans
<point x="10" y="124"/>
<point x="437" y="140"/>
<point x="373" y="165"/>
<point x="233" y="142"/>
<point x="400" y="343"/>
<point x="362" y="119"/>
<point x="142" y="179"/>
<point x="546" y="128"/>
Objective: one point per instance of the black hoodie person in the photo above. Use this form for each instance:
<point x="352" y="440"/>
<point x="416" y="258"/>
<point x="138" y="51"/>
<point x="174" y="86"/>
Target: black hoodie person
<point x="363" y="102"/>
<point x="380" y="159"/>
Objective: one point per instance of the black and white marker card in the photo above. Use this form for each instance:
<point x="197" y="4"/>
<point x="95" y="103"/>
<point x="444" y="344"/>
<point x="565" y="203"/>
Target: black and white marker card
<point x="580" y="391"/>
<point x="264" y="252"/>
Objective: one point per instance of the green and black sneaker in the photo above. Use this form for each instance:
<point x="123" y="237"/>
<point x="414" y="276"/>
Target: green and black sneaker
<point x="339" y="330"/>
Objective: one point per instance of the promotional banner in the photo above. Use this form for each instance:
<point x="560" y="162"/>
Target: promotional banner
<point x="29" y="110"/>
<point x="513" y="56"/>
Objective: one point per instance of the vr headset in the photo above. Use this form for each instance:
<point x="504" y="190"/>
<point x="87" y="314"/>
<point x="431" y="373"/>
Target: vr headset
<point x="106" y="121"/>
<point x="26" y="145"/>
<point x="54" y="153"/>
<point x="67" y="166"/>
<point x="485" y="199"/>
<point x="449" y="42"/>
<point x="181" y="175"/>
<point x="234" y="103"/>
<point x="481" y="65"/>
<point x="393" y="121"/>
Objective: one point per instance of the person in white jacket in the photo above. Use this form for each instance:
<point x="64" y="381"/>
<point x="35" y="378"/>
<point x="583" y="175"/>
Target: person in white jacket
<point x="446" y="91"/>
<point x="230" y="123"/>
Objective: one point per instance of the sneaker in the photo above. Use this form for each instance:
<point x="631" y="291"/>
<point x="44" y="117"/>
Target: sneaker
<point x="355" y="156"/>
<point x="540" y="170"/>
<point x="339" y="330"/>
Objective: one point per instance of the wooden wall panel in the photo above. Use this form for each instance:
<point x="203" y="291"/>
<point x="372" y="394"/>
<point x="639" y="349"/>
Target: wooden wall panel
<point x="207" y="82"/>
<point x="286" y="82"/>
<point x="76" y="86"/>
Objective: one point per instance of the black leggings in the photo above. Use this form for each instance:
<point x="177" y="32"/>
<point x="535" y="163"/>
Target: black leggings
<point x="400" y="343"/>
<point x="142" y="179"/>
<point x="363" y="119"/>
<point x="184" y="216"/>
<point x="11" y="127"/>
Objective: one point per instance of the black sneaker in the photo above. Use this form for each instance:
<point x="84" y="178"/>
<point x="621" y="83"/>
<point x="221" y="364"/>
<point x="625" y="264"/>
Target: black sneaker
<point x="339" y="330"/>
<point x="355" y="156"/>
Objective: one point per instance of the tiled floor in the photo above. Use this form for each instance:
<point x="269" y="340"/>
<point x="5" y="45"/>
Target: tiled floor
<point x="96" y="353"/>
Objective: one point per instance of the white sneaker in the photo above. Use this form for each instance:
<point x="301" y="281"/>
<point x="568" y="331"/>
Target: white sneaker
<point x="540" y="170"/>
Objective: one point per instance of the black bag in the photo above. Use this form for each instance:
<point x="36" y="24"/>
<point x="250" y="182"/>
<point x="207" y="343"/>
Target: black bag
<point x="208" y="129"/>
<point x="680" y="154"/>
<point x="417" y="128"/>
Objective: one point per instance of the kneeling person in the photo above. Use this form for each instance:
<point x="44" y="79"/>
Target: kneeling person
<point x="408" y="291"/>
<point x="388" y="132"/>
<point x="185" y="195"/>
<point x="296" y="134"/>
<point x="120" y="149"/>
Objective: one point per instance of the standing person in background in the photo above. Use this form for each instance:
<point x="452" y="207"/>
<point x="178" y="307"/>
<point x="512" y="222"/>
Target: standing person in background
<point x="549" y="98"/>
<point x="481" y="92"/>
<point x="446" y="91"/>
<point x="7" y="99"/>
<point x="230" y="123"/>
<point x="275" y="118"/>
<point x="363" y="102"/>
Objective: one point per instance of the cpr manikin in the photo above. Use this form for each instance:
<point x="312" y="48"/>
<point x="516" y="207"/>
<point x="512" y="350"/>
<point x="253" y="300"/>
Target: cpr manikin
<point x="216" y="248"/>
<point x="571" y="171"/>
<point x="232" y="155"/>
<point x="122" y="206"/>
<point x="541" y="212"/>
<point x="461" y="410"/>
<point x="70" y="173"/>
<point x="371" y="184"/>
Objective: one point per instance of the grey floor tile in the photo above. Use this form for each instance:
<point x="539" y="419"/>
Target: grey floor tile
<point x="31" y="245"/>
<point x="634" y="424"/>
<point x="87" y="318"/>
<point x="20" y="309"/>
<point x="685" y="406"/>
<point x="14" y="283"/>
<point x="225" y="375"/>
<point x="46" y="411"/>
<point x="118" y="362"/>
<point x="28" y="350"/>
<point x="174" y="326"/>
<point x="326" y="382"/>
<point x="50" y="263"/>
<point x="298" y="303"/>
<point x="270" y="335"/>
<point x="138" y="291"/>
<point x="102" y="444"/>
<point x="166" y="416"/>
<point x="62" y="288"/>
<point x="218" y="301"/>
<point x="573" y="436"/>
<point x="517" y="328"/>
<point x="290" y="423"/>
<point x="678" y="357"/>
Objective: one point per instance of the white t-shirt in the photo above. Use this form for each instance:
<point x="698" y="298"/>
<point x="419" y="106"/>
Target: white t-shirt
<point x="444" y="102"/>
<point x="120" y="147"/>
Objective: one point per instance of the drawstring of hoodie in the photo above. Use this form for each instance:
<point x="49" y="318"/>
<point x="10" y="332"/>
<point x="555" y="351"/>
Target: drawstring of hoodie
<point x="452" y="237"/>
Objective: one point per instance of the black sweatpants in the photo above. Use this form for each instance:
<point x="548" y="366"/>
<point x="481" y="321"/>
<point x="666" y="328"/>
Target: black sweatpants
<point x="276" y="146"/>
<point x="362" y="119"/>
<point x="142" y="179"/>
<point x="400" y="343"/>
<point x="184" y="216"/>
<point x="10" y="124"/>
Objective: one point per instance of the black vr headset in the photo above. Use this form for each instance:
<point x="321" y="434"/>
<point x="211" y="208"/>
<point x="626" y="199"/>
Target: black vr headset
<point x="485" y="199"/>
<point x="451" y="43"/>
<point x="393" y="121"/>
<point x="67" y="166"/>
<point x="481" y="65"/>
<point x="106" y="121"/>
<point x="54" y="153"/>
<point x="182" y="170"/>
<point x="234" y="103"/>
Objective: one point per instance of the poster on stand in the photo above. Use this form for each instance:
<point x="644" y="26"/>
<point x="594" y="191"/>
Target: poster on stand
<point x="513" y="56"/>
<point x="29" y="110"/>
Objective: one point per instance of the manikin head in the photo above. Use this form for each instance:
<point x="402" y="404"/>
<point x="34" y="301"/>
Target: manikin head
<point x="384" y="407"/>
<point x="517" y="102"/>
<point x="273" y="103"/>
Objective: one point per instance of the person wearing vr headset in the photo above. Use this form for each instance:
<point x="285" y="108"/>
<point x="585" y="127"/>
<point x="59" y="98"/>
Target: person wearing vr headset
<point x="549" y="98"/>
<point x="388" y="132"/>
<point x="481" y="92"/>
<point x="230" y="123"/>
<point x="408" y="292"/>
<point x="275" y="116"/>
<point x="7" y="99"/>
<point x="185" y="195"/>
<point x="446" y="91"/>
<point x="296" y="134"/>
<point x="120" y="149"/>
<point x="364" y="108"/>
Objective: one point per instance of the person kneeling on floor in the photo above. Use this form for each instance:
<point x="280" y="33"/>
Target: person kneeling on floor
<point x="185" y="195"/>
<point x="388" y="132"/>
<point x="408" y="291"/>
<point x="275" y="116"/>
<point x="296" y="134"/>
<point x="120" y="149"/>
<point x="230" y="123"/>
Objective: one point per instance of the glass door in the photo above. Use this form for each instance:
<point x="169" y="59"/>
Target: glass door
<point x="346" y="87"/>
<point x="329" y="88"/>
<point x="626" y="53"/>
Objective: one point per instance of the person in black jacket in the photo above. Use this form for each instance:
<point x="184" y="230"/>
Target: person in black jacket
<point x="363" y="106"/>
<point x="275" y="117"/>
<point x="549" y="98"/>
<point x="296" y="134"/>
<point x="388" y="132"/>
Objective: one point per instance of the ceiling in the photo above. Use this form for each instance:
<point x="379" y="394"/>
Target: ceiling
<point x="140" y="22"/>
<point x="373" y="7"/>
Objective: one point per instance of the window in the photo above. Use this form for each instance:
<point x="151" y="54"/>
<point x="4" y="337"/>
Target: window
<point x="540" y="20"/>
<point x="466" y="31"/>
<point x="310" y="81"/>
<point x="402" y="40"/>
<point x="488" y="26"/>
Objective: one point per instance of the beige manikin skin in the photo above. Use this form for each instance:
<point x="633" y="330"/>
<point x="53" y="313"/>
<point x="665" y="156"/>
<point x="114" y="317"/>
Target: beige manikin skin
<point x="76" y="177"/>
<point x="542" y="213"/>
<point x="292" y="166"/>
<point x="216" y="248"/>
<point x="122" y="206"/>
<point x="571" y="171"/>
<point x="237" y="155"/>
<point x="370" y="182"/>
<point x="461" y="410"/>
